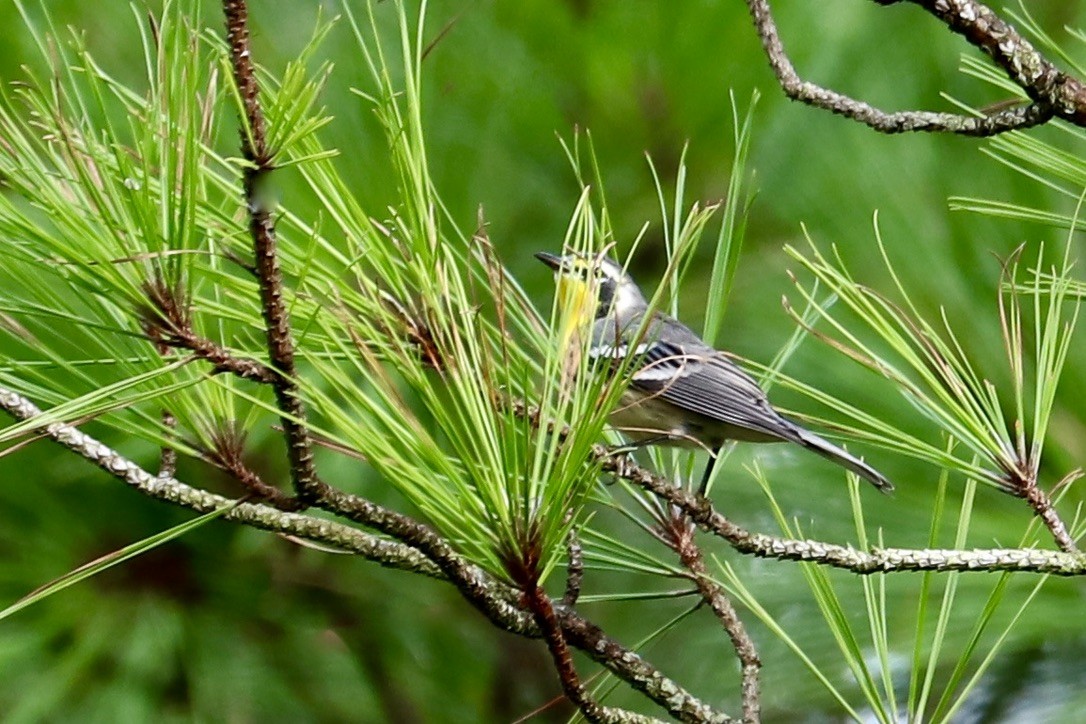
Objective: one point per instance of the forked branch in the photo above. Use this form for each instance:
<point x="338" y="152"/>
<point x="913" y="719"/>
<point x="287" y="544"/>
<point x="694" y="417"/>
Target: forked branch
<point x="496" y="601"/>
<point x="679" y="533"/>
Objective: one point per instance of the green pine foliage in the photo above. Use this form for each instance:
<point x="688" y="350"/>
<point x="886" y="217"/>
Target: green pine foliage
<point x="423" y="333"/>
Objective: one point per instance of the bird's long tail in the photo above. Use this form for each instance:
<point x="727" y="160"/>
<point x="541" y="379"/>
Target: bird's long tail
<point x="828" y="450"/>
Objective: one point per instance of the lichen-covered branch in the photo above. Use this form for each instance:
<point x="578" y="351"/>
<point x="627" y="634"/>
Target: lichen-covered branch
<point x="1052" y="92"/>
<point x="877" y="560"/>
<point x="496" y="600"/>
<point x="169" y="489"/>
<point x="1041" y="80"/>
<point x="543" y="610"/>
<point x="636" y="671"/>
<point x="475" y="586"/>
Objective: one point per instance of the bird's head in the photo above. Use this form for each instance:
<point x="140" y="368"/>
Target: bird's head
<point x="593" y="286"/>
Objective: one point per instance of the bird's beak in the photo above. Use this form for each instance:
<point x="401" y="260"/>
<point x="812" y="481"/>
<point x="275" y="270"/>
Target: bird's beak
<point x="552" y="260"/>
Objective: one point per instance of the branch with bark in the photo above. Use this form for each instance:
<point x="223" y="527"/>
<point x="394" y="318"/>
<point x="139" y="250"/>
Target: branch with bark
<point x="1051" y="92"/>
<point x="700" y="510"/>
<point x="678" y="532"/>
<point x="269" y="275"/>
<point x="877" y="560"/>
<point x="429" y="555"/>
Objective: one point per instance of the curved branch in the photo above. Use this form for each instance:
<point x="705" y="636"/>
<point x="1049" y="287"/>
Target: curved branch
<point x="714" y="595"/>
<point x="1042" y="81"/>
<point x="636" y="671"/>
<point x="1052" y="92"/>
<point x="473" y="583"/>
<point x="547" y="620"/>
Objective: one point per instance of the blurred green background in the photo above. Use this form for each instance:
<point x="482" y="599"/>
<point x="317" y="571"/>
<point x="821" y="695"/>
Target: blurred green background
<point x="235" y="625"/>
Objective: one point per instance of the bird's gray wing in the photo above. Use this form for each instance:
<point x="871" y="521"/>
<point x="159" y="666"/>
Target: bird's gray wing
<point x="714" y="387"/>
<point x="673" y="364"/>
<point x="705" y="382"/>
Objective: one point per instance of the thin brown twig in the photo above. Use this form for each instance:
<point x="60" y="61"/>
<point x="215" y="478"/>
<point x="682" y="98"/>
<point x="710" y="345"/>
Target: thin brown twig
<point x="259" y="165"/>
<point x="167" y="322"/>
<point x="1042" y="506"/>
<point x="228" y="454"/>
<point x="540" y="606"/>
<point x="221" y="359"/>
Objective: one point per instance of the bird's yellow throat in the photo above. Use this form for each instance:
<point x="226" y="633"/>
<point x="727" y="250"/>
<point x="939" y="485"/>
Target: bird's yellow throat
<point x="576" y="306"/>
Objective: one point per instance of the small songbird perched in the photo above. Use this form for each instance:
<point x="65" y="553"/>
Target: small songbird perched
<point x="681" y="391"/>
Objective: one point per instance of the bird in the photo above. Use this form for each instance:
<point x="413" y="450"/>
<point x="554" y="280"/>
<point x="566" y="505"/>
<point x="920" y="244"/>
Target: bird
<point x="681" y="391"/>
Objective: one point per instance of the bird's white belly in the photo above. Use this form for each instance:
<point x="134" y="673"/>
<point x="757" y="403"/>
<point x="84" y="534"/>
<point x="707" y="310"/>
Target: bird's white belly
<point x="640" y="417"/>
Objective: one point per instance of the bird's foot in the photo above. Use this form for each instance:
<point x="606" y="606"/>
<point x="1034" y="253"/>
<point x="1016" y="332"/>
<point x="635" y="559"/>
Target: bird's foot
<point x="619" y="457"/>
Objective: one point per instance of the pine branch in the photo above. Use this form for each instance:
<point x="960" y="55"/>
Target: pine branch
<point x="167" y="322"/>
<point x="543" y="610"/>
<point x="487" y="595"/>
<point x="169" y="489"/>
<point x="636" y="671"/>
<point x="680" y="535"/>
<point x="1042" y="507"/>
<point x="877" y="560"/>
<point x="1041" y="80"/>
<point x="269" y="274"/>
<point x="227" y="454"/>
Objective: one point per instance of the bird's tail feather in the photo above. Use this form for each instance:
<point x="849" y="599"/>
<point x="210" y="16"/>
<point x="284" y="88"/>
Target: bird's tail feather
<point x="828" y="450"/>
